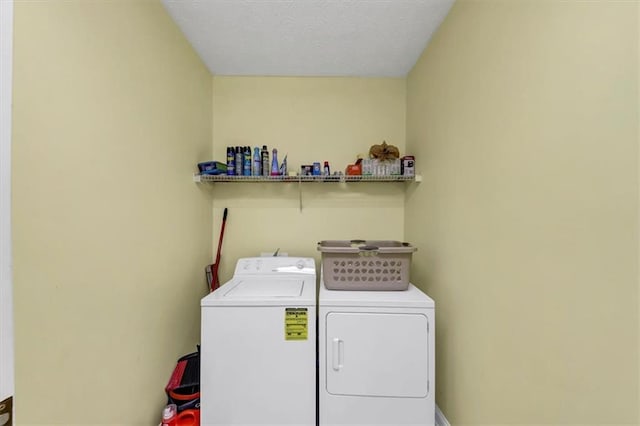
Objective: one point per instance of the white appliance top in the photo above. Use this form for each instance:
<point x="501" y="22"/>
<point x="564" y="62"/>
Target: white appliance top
<point x="268" y="281"/>
<point x="275" y="266"/>
<point x="413" y="297"/>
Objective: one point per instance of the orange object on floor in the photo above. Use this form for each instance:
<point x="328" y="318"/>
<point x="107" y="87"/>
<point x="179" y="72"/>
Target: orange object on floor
<point x="189" y="417"/>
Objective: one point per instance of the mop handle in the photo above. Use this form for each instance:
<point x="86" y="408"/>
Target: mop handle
<point x="215" y="282"/>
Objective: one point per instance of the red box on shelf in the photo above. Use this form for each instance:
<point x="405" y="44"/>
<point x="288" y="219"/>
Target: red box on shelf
<point x="353" y="170"/>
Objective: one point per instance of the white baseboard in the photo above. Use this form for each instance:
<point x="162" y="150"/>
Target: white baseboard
<point x="441" y="420"/>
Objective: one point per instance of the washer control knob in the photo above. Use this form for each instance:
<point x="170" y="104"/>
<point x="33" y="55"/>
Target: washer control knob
<point x="300" y="264"/>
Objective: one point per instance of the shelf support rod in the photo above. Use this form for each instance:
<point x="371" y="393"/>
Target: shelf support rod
<point x="300" y="192"/>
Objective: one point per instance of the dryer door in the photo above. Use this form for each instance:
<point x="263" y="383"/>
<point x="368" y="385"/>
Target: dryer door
<point x="377" y="354"/>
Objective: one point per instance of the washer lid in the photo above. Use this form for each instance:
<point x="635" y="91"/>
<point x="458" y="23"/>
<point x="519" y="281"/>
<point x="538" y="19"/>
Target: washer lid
<point x="263" y="291"/>
<point x="410" y="298"/>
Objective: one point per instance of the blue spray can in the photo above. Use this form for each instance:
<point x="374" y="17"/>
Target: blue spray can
<point x="231" y="161"/>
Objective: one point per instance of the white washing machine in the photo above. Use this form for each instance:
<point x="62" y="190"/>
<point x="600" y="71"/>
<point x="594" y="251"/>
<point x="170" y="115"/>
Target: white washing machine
<point x="258" y="345"/>
<point x="376" y="357"/>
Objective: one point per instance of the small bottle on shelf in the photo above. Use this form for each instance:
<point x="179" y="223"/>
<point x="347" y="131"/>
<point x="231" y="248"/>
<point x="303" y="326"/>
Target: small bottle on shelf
<point x="275" y="170"/>
<point x="257" y="162"/>
<point x="265" y="161"/>
<point x="239" y="160"/>
<point x="246" y="171"/>
<point x="231" y="161"/>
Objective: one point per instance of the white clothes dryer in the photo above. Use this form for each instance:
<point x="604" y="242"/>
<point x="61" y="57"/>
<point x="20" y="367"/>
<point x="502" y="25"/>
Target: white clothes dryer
<point x="376" y="354"/>
<point x="258" y="345"/>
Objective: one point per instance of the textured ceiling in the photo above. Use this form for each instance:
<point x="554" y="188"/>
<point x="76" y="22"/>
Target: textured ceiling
<point x="373" y="38"/>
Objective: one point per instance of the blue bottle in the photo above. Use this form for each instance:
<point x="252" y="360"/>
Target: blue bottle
<point x="275" y="170"/>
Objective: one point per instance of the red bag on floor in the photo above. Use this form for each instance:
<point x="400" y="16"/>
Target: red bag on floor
<point x="183" y="388"/>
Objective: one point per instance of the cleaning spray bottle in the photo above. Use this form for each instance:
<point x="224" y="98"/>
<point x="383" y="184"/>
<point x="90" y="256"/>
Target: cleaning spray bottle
<point x="275" y="171"/>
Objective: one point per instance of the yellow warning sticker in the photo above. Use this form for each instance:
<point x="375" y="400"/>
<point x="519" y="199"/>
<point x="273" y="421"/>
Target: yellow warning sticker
<point x="295" y="323"/>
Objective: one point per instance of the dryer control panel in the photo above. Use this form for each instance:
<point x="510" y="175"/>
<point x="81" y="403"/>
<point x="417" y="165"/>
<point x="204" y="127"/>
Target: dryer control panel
<point x="275" y="265"/>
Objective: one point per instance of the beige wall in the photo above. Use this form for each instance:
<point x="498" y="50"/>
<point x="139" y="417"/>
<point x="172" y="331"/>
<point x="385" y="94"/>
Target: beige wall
<point x="309" y="119"/>
<point x="112" y="109"/>
<point x="523" y="116"/>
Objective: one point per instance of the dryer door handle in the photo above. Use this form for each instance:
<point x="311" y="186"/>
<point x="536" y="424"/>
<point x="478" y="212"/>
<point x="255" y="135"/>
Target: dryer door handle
<point x="338" y="353"/>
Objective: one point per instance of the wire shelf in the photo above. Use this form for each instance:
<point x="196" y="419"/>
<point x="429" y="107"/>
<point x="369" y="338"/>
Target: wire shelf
<point x="324" y="179"/>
